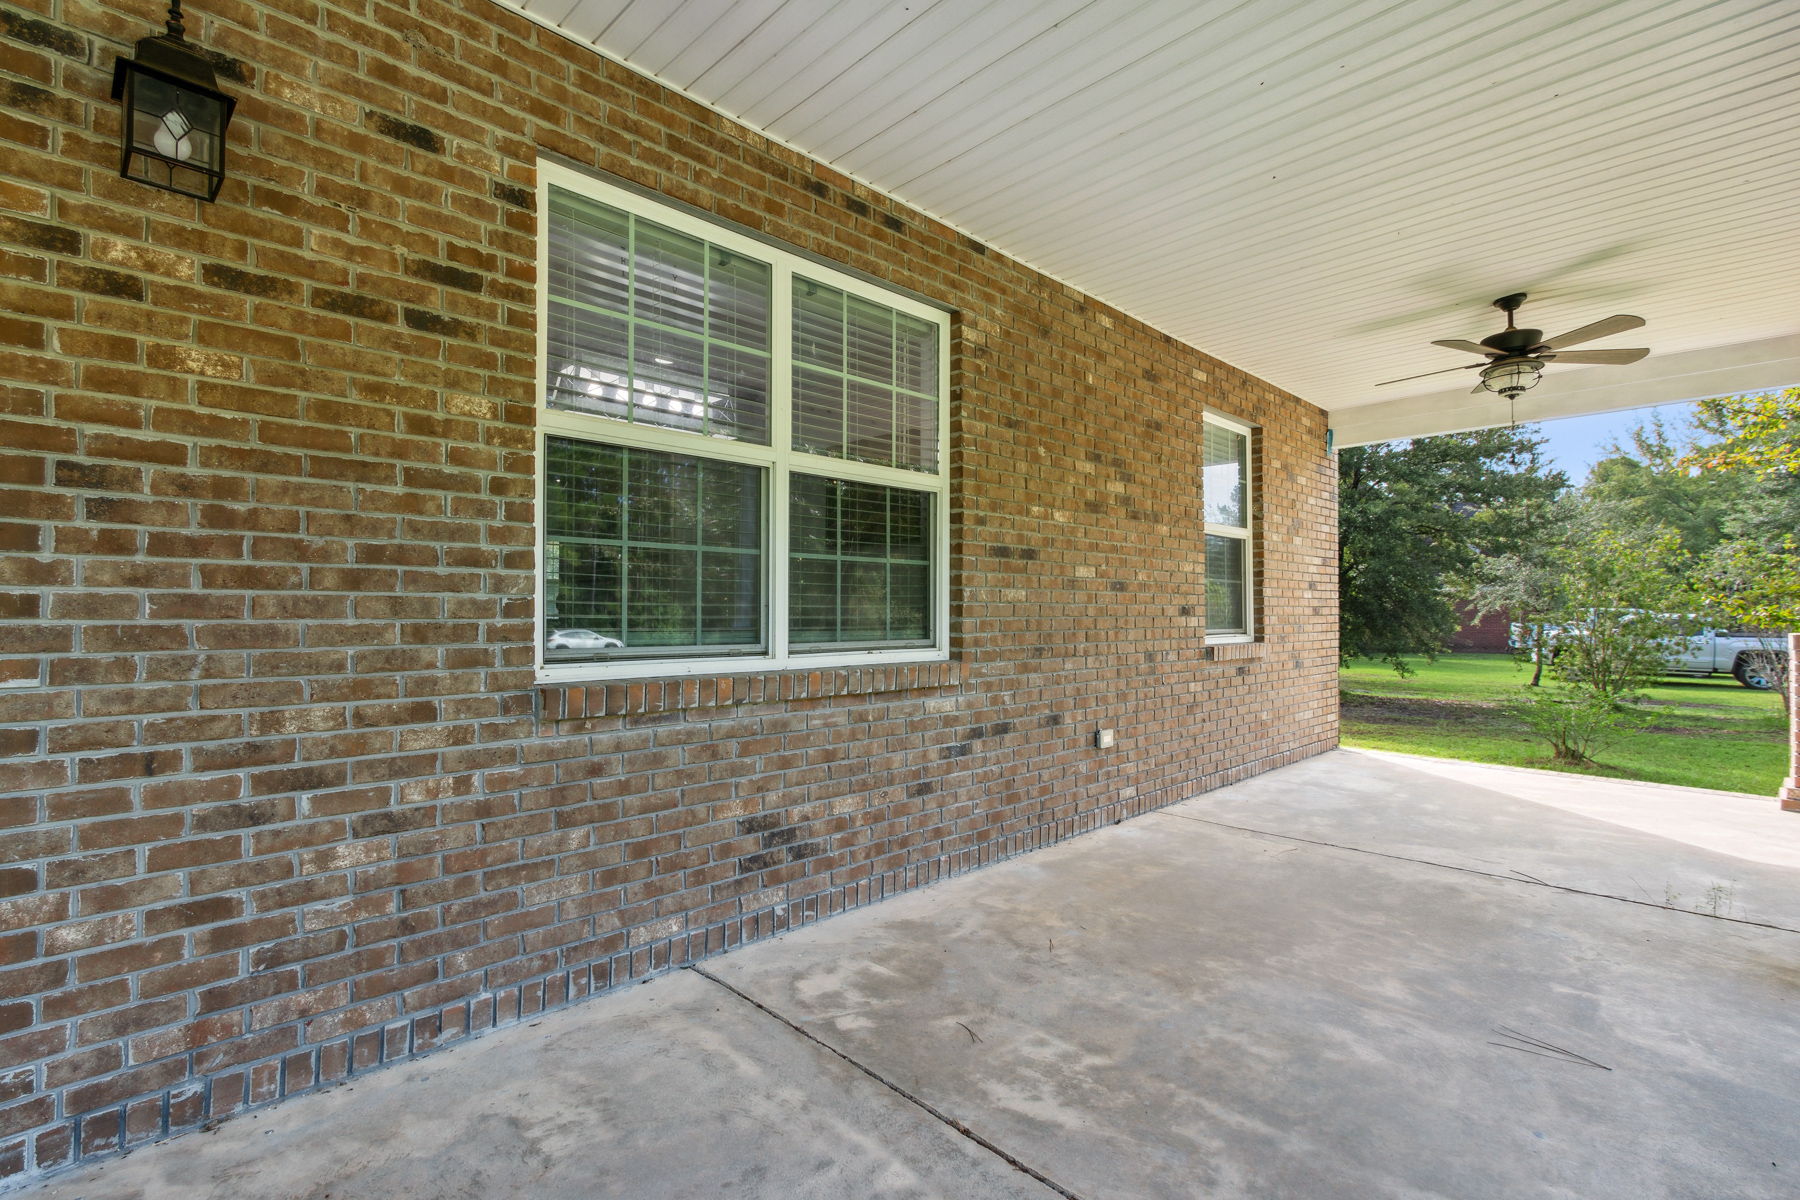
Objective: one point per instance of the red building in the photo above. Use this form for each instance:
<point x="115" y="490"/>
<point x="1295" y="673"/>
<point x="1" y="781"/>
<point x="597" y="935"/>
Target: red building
<point x="1488" y="634"/>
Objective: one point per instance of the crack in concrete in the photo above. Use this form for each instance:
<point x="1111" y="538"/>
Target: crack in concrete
<point x="945" y="1118"/>
<point x="1514" y="877"/>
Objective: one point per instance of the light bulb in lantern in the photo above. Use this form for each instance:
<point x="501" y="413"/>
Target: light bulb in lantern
<point x="171" y="136"/>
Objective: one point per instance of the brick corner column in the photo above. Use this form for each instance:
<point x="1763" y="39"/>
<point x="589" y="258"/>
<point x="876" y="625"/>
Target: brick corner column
<point x="1790" y="790"/>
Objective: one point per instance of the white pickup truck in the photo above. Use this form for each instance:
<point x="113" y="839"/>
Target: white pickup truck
<point x="1752" y="659"/>
<point x="1747" y="656"/>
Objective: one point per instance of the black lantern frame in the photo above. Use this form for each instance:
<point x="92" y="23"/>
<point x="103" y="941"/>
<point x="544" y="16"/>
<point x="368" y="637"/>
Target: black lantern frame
<point x="173" y="134"/>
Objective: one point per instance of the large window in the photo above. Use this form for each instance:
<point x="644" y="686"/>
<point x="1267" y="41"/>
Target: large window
<point x="742" y="450"/>
<point x="1225" y="497"/>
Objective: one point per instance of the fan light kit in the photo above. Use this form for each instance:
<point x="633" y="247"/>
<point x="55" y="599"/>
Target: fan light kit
<point x="1511" y="377"/>
<point x="1515" y="357"/>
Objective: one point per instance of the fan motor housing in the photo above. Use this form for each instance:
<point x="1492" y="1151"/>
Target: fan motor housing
<point x="1513" y="341"/>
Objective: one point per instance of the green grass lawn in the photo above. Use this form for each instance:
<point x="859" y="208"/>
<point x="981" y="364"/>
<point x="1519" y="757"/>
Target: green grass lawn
<point x="1700" y="732"/>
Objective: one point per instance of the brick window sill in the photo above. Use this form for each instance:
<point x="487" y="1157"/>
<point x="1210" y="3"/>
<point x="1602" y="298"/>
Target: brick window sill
<point x="1234" y="651"/>
<point x="630" y="698"/>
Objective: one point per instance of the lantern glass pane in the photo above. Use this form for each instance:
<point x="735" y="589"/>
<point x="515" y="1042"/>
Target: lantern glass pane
<point x="176" y="136"/>
<point x="1510" y="377"/>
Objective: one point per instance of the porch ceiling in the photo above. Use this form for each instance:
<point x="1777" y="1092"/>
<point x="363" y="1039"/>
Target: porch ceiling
<point x="1313" y="190"/>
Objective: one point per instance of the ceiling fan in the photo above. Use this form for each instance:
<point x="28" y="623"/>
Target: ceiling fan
<point x="1515" y="356"/>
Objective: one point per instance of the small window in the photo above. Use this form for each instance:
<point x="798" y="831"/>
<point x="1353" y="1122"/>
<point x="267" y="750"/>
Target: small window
<point x="743" y="451"/>
<point x="1227" y="503"/>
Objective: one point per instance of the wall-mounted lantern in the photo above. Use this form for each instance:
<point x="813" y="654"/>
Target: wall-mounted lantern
<point x="175" y="115"/>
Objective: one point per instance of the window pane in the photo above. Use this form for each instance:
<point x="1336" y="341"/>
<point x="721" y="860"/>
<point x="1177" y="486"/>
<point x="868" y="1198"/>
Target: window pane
<point x="590" y="258"/>
<point x="869" y="423"/>
<point x="869" y="340"/>
<point x="865" y="601"/>
<point x="596" y="339"/>
<point x="818" y="325"/>
<point x="813" y="601"/>
<point x="862" y="527"/>
<point x="818" y="412"/>
<point x="663" y="498"/>
<point x="916" y="424"/>
<point x="584" y="487"/>
<point x="670" y="405"/>
<point x="730" y="507"/>
<point x="812" y="515"/>
<point x="646" y="549"/>
<point x="654" y="326"/>
<point x="860" y="569"/>
<point x="669" y="284"/>
<point x="916" y="354"/>
<point x="738" y="300"/>
<point x="909" y="527"/>
<point x="1226" y="477"/>
<point x="663" y="596"/>
<point x="737" y="393"/>
<point x="669" y="357"/>
<point x="730" y="598"/>
<point x="909" y="600"/>
<point x="866" y="380"/>
<point x="588" y="352"/>
<point x="1227" y="598"/>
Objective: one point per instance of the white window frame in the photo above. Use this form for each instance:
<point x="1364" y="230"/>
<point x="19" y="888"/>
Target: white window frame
<point x="778" y="459"/>
<point x="1246" y="533"/>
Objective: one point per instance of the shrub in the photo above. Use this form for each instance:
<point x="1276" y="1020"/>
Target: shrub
<point x="1575" y="720"/>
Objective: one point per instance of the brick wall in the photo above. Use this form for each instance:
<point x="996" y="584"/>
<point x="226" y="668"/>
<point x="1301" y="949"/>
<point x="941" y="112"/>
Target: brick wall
<point x="281" y="801"/>
<point x="1489" y="633"/>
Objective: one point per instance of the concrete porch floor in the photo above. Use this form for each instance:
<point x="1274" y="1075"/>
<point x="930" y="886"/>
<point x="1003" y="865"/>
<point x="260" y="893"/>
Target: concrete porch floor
<point x="1361" y="976"/>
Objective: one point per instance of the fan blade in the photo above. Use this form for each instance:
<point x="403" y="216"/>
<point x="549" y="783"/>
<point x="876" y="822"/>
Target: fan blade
<point x="1597" y="356"/>
<point x="1445" y="371"/>
<point x="1598" y="329"/>
<point x="1471" y="347"/>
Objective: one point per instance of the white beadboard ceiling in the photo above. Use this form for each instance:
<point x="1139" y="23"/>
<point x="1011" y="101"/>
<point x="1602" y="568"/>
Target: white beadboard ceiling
<point x="1313" y="190"/>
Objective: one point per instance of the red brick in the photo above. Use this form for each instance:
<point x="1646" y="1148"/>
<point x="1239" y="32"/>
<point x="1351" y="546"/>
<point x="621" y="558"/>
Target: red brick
<point x="101" y="1093"/>
<point x="202" y="1032"/>
<point x="128" y="831"/>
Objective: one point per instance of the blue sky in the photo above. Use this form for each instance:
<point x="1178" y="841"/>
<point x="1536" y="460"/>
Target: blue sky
<point x="1577" y="443"/>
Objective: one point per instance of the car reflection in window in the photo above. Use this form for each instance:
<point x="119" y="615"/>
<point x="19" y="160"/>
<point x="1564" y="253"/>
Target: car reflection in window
<point x="568" y="642"/>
